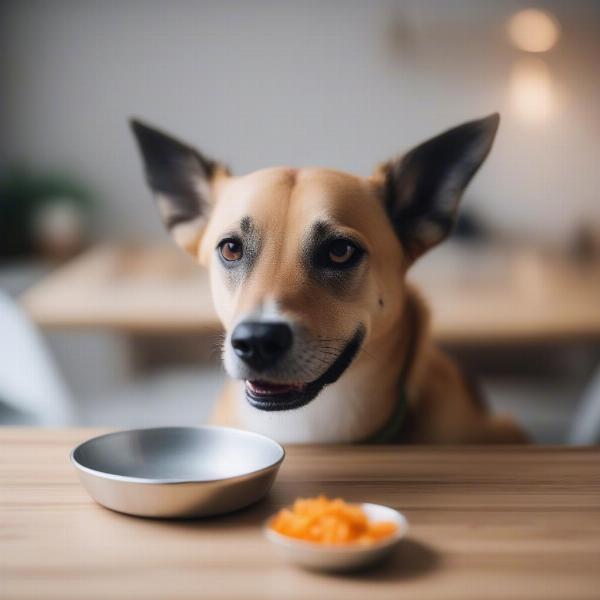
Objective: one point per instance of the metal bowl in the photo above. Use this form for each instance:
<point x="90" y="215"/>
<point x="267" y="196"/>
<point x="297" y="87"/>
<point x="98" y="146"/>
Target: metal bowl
<point x="177" y="472"/>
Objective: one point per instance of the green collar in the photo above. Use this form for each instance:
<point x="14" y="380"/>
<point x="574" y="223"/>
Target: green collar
<point x="390" y="432"/>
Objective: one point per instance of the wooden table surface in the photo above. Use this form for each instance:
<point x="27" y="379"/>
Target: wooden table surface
<point x="478" y="295"/>
<point x="485" y="523"/>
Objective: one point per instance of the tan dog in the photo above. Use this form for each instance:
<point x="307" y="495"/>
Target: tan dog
<point x="307" y="268"/>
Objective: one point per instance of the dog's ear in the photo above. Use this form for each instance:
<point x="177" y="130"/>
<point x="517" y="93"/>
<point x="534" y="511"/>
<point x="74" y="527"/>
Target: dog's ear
<point x="422" y="189"/>
<point x="182" y="181"/>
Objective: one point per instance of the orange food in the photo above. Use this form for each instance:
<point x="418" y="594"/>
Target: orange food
<point x="330" y="522"/>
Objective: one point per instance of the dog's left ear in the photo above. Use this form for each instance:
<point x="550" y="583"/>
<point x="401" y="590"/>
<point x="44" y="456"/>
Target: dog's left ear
<point x="182" y="180"/>
<point x="423" y="188"/>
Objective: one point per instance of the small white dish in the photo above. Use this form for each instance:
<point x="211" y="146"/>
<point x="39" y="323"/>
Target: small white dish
<point x="338" y="558"/>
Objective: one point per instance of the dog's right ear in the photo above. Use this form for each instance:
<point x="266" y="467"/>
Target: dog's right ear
<point x="182" y="180"/>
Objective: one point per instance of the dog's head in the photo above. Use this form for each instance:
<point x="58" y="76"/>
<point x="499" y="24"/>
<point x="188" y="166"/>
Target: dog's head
<point x="307" y="265"/>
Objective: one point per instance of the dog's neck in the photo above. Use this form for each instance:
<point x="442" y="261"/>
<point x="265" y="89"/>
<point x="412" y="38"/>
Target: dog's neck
<point x="353" y="408"/>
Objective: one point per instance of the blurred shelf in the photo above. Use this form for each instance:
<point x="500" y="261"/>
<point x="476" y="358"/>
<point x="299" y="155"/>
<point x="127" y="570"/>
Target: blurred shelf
<point x="478" y="295"/>
<point x="498" y="294"/>
<point x="129" y="288"/>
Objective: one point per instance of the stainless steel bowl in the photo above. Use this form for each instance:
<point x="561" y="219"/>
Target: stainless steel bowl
<point x="177" y="472"/>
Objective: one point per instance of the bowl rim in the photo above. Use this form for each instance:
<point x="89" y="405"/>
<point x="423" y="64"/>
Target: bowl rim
<point x="294" y="543"/>
<point x="176" y="480"/>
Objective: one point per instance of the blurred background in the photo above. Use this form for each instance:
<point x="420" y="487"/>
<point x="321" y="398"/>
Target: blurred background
<point x="102" y="322"/>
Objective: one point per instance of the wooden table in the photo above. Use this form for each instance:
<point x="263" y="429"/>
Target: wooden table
<point x="485" y="523"/>
<point x="478" y="294"/>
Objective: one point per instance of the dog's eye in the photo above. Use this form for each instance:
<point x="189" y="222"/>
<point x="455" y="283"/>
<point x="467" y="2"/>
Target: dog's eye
<point x="341" y="252"/>
<point x="231" y="250"/>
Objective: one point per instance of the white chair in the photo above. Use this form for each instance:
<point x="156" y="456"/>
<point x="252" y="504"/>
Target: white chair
<point x="585" y="428"/>
<point x="31" y="389"/>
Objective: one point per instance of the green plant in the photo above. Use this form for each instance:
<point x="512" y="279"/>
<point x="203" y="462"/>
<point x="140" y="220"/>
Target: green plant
<point x="23" y="193"/>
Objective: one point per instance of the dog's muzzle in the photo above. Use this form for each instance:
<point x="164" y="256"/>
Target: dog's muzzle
<point x="265" y="347"/>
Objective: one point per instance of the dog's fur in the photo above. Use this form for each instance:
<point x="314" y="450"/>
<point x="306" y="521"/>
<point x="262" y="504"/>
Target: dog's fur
<point x="359" y="331"/>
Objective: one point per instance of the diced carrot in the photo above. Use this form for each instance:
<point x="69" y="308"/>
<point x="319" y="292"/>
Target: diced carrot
<point x="330" y="522"/>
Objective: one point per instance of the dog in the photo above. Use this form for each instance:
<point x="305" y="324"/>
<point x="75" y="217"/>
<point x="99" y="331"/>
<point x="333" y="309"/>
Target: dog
<point x="324" y="339"/>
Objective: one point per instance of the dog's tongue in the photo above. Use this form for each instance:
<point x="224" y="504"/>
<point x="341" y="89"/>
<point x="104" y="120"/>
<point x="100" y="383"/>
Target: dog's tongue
<point x="265" y="388"/>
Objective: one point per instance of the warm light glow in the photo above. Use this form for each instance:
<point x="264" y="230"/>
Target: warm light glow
<point x="534" y="30"/>
<point x="531" y="89"/>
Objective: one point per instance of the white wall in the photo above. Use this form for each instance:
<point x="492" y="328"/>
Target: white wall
<point x="270" y="82"/>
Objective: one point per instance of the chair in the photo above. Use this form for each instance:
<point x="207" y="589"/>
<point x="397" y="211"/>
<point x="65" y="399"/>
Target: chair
<point x="585" y="428"/>
<point x="31" y="389"/>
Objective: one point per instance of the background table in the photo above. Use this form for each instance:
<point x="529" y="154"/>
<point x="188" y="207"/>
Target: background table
<point x="485" y="523"/>
<point x="481" y="294"/>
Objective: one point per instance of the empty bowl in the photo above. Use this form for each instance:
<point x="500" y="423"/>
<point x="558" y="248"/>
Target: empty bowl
<point x="342" y="557"/>
<point x="177" y="472"/>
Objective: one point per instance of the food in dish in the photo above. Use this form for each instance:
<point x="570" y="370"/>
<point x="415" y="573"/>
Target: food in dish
<point x="326" y="521"/>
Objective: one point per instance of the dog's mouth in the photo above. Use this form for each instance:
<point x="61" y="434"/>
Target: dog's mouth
<point x="271" y="396"/>
<point x="265" y="388"/>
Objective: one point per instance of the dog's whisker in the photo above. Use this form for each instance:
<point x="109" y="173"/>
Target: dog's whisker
<point x="329" y="353"/>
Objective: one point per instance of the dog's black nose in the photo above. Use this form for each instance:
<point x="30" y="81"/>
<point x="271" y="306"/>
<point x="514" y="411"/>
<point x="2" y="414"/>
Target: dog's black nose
<point x="261" y="345"/>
